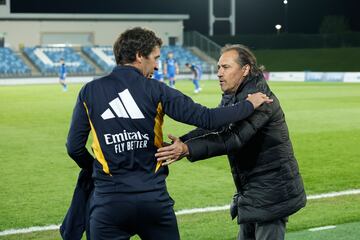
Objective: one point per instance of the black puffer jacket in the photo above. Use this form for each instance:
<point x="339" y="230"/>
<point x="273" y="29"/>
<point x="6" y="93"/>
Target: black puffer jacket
<point x="261" y="156"/>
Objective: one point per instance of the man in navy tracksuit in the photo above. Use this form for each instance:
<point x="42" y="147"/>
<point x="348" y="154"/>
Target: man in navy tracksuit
<point x="124" y="112"/>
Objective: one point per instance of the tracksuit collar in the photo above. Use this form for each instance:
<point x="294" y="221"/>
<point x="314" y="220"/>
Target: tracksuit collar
<point x="127" y="67"/>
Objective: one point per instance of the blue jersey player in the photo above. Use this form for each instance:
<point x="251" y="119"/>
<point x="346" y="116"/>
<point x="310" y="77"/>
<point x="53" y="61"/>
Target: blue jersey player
<point x="158" y="73"/>
<point x="196" y="70"/>
<point x="171" y="68"/>
<point x="62" y="74"/>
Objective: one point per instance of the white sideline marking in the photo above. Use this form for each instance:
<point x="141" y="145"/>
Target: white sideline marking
<point x="226" y="207"/>
<point x="334" y="194"/>
<point x="189" y="211"/>
<point x="321" y="228"/>
<point x="29" y="230"/>
<point x="201" y="210"/>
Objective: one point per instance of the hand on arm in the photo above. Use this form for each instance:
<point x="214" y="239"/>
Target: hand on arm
<point x="172" y="153"/>
<point x="257" y="99"/>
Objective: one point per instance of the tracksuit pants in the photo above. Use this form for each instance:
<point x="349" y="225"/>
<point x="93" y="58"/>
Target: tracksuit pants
<point x="120" y="216"/>
<point x="272" y="230"/>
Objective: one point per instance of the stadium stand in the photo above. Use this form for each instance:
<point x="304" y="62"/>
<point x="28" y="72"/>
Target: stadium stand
<point x="104" y="58"/>
<point x="102" y="55"/>
<point x="11" y="64"/>
<point x="182" y="55"/>
<point x="47" y="59"/>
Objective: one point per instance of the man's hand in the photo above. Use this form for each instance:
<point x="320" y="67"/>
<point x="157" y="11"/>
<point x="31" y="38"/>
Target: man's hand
<point x="172" y="153"/>
<point x="258" y="98"/>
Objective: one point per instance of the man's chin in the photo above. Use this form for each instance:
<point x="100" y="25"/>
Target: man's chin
<point x="223" y="89"/>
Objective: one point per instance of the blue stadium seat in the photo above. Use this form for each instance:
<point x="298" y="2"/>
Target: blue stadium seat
<point x="102" y="55"/>
<point x="47" y="60"/>
<point x="104" y="58"/>
<point x="11" y="64"/>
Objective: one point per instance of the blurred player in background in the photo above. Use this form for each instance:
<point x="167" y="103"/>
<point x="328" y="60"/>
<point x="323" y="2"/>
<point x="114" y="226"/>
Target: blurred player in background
<point x="196" y="70"/>
<point x="62" y="75"/>
<point x="158" y="73"/>
<point x="171" y="68"/>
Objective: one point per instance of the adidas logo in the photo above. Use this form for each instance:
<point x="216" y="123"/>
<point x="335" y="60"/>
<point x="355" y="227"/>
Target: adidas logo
<point x="123" y="106"/>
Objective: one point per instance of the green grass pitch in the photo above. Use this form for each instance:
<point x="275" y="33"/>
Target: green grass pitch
<point x="37" y="178"/>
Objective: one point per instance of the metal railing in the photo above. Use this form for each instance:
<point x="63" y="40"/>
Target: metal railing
<point x="196" y="39"/>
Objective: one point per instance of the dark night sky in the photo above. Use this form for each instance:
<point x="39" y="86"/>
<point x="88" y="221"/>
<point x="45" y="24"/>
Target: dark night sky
<point x="252" y="16"/>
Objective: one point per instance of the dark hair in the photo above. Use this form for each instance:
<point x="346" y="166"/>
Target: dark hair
<point x="132" y="41"/>
<point x="245" y="56"/>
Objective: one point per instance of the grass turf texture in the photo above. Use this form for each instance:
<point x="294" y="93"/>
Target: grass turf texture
<point x="37" y="178"/>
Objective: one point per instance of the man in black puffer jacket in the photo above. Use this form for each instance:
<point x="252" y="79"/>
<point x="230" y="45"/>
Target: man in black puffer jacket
<point x="263" y="165"/>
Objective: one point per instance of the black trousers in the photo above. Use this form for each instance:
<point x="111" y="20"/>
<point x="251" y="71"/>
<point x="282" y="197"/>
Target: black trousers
<point x="273" y="230"/>
<point x="119" y="216"/>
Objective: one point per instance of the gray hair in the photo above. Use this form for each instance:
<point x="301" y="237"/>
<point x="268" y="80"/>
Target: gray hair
<point x="245" y="57"/>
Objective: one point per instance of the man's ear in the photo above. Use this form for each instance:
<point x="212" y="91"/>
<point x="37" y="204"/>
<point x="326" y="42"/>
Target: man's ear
<point x="139" y="58"/>
<point x="246" y="70"/>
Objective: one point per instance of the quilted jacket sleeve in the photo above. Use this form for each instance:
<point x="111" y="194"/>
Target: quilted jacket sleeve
<point x="235" y="135"/>
<point x="232" y="138"/>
